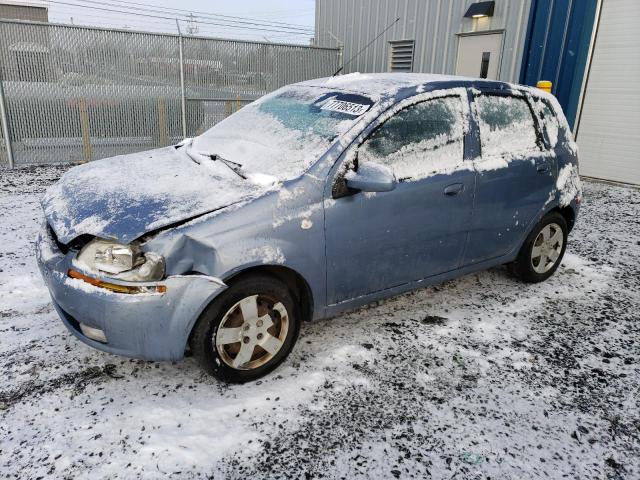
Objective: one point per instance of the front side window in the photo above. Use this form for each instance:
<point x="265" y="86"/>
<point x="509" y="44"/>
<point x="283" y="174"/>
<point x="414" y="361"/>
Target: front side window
<point x="419" y="141"/>
<point x="507" y="128"/>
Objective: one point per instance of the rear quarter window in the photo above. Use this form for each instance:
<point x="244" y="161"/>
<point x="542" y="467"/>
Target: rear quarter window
<point x="550" y="123"/>
<point x="507" y="126"/>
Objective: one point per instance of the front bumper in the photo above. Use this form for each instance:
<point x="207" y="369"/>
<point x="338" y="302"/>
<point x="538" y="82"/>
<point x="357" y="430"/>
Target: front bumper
<point x="150" y="326"/>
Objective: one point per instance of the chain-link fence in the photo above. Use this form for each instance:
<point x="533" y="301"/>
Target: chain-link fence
<point x="75" y="94"/>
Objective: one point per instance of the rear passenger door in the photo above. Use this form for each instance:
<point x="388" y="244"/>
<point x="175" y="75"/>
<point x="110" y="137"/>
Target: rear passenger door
<point x="515" y="174"/>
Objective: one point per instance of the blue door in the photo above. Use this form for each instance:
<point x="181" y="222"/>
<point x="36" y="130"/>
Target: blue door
<point x="376" y="241"/>
<point x="515" y="175"/>
<point x="556" y="48"/>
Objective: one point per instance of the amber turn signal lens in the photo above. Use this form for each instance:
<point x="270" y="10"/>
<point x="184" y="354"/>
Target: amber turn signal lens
<point x="114" y="287"/>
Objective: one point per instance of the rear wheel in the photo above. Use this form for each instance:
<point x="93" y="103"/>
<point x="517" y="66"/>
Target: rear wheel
<point x="248" y="330"/>
<point x="543" y="249"/>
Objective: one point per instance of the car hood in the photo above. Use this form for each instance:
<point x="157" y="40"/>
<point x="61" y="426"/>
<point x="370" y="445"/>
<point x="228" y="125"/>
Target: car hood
<point x="124" y="197"/>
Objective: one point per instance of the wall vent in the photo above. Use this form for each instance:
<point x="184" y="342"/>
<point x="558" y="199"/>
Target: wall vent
<point x="401" y="56"/>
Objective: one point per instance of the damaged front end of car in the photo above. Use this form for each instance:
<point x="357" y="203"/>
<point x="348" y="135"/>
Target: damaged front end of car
<point x="117" y="298"/>
<point x="121" y="262"/>
<point x="111" y="289"/>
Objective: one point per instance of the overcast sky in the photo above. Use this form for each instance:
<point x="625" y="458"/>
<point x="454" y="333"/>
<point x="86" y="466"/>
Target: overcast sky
<point x="107" y="13"/>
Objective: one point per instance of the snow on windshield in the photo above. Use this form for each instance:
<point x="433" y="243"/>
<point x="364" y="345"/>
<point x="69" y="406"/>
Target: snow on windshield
<point x="284" y="133"/>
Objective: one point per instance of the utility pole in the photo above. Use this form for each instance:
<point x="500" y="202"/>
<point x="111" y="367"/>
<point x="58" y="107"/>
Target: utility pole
<point x="192" y="26"/>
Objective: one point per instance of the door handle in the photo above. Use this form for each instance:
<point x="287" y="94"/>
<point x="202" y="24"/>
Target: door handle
<point x="453" y="189"/>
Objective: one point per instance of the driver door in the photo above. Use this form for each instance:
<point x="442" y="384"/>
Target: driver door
<point x="377" y="241"/>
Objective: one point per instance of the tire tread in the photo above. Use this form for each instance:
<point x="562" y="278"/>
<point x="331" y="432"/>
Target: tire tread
<point x="202" y="333"/>
<point x="522" y="267"/>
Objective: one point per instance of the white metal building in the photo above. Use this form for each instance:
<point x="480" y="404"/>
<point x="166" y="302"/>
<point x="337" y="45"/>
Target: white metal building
<point x="589" y="49"/>
<point x="434" y="31"/>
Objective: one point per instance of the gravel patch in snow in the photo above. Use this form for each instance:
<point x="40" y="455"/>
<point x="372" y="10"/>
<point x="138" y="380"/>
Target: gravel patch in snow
<point x="478" y="377"/>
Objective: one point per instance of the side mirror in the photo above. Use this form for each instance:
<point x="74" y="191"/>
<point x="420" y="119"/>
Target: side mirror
<point x="371" y="177"/>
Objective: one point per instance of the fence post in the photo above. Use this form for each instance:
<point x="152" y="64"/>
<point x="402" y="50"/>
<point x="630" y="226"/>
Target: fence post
<point x="182" y="93"/>
<point x="85" y="128"/>
<point x="4" y="118"/>
<point x="162" y="122"/>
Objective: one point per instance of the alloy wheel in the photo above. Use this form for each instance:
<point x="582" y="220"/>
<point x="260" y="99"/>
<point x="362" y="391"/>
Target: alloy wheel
<point x="547" y="248"/>
<point x="252" y="332"/>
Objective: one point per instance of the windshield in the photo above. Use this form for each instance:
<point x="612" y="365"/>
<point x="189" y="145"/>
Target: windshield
<point x="284" y="133"/>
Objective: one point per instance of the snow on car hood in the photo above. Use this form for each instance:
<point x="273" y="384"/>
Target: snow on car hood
<point x="123" y="197"/>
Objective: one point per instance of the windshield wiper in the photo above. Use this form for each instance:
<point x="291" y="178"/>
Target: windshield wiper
<point x="233" y="166"/>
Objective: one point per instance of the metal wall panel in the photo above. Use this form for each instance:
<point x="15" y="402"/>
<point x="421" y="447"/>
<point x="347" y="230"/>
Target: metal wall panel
<point x="433" y="24"/>
<point x="76" y="94"/>
<point x="608" y="129"/>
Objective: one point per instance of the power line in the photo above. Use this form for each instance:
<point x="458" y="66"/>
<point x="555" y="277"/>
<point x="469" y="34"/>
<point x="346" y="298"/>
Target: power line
<point x="64" y="13"/>
<point x="187" y="14"/>
<point x="157" y="26"/>
<point x="287" y="11"/>
<point x="147" y="15"/>
<point x="213" y="15"/>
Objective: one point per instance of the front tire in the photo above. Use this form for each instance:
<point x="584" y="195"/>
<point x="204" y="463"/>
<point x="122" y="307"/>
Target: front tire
<point x="248" y="330"/>
<point x="543" y="249"/>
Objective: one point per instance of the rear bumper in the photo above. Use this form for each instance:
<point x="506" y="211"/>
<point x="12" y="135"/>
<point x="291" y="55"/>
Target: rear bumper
<point x="575" y="208"/>
<point x="150" y="326"/>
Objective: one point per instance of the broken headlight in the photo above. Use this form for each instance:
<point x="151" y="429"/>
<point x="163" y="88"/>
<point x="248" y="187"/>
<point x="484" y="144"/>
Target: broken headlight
<point x="124" y="262"/>
<point x="114" y="258"/>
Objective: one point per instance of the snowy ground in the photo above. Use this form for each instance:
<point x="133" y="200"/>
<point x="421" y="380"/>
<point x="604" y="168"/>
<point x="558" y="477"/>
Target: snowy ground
<point x="476" y="378"/>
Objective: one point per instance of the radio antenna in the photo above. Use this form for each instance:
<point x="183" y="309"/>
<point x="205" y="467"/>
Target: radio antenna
<point x="366" y="46"/>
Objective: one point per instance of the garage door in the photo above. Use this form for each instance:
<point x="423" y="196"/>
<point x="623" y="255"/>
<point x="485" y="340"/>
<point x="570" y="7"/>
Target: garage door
<point x="609" y="131"/>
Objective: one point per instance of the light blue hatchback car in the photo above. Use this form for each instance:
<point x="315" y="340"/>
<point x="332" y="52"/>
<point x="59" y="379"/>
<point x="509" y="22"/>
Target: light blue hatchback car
<point x="317" y="198"/>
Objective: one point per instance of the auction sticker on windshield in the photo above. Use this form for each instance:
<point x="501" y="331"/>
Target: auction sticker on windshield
<point x="343" y="106"/>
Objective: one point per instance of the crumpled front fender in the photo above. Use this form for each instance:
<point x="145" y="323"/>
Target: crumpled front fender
<point x="150" y="326"/>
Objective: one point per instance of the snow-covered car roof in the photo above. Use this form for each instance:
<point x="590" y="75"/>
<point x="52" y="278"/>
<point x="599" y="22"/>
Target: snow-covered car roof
<point x="381" y="83"/>
<point x="378" y="85"/>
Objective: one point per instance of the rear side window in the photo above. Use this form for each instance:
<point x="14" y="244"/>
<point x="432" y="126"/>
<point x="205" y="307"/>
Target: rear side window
<point x="420" y="140"/>
<point x="507" y="127"/>
<point x="550" y="122"/>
